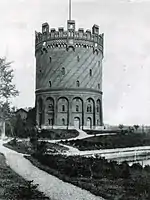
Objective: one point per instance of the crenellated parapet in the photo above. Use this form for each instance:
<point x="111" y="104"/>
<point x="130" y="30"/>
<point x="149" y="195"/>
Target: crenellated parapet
<point x="52" y="38"/>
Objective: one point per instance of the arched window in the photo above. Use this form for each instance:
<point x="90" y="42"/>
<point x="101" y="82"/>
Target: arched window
<point x="77" y="108"/>
<point x="98" y="86"/>
<point x="50" y="107"/>
<point x="50" y="84"/>
<point x="89" y="109"/>
<point x="63" y="108"/>
<point x="78" y="83"/>
<point x="97" y="108"/>
<point x="63" y="71"/>
<point x="63" y="121"/>
<point x="90" y="72"/>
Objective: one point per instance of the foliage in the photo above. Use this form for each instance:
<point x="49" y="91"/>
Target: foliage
<point x="58" y="134"/>
<point x="31" y="117"/>
<point x="101" y="177"/>
<point x="111" y="141"/>
<point x="18" y="127"/>
<point x="136" y="126"/>
<point x="14" y="187"/>
<point x="7" y="88"/>
<point x="28" y="191"/>
<point x="121" y="126"/>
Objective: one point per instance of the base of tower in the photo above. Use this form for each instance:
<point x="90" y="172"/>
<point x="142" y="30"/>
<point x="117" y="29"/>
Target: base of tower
<point x="73" y="127"/>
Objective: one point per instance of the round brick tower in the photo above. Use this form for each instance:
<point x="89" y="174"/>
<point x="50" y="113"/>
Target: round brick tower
<point x="69" y="77"/>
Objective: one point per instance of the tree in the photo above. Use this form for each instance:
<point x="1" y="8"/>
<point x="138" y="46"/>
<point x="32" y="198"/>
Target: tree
<point x="121" y="126"/>
<point x="7" y="90"/>
<point x="31" y="117"/>
<point x="130" y="129"/>
<point x="136" y="127"/>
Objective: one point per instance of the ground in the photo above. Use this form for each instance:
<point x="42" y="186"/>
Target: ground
<point x="13" y="186"/>
<point x="109" y="180"/>
<point x="51" y="186"/>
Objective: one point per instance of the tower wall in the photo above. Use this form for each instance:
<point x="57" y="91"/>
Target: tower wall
<point x="69" y="76"/>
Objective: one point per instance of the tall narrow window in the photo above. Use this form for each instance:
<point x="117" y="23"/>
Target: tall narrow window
<point x="97" y="108"/>
<point x="77" y="108"/>
<point x="50" y="107"/>
<point x="50" y="84"/>
<point x="49" y="121"/>
<point x="98" y="86"/>
<point x="50" y="59"/>
<point x="89" y="108"/>
<point x="63" y="108"/>
<point x="78" y="58"/>
<point x="78" y="83"/>
<point x="63" y="71"/>
<point x="63" y="121"/>
<point x="90" y="72"/>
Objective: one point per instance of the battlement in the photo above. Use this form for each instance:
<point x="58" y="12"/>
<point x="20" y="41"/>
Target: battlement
<point x="69" y="37"/>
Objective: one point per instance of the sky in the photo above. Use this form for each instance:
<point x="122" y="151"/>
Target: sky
<point x="126" y="63"/>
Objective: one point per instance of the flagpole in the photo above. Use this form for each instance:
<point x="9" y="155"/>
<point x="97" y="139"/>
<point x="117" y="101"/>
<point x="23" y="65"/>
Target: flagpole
<point x="69" y="9"/>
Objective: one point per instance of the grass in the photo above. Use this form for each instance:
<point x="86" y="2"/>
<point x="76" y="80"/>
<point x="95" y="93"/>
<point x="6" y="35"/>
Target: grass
<point x="26" y="147"/>
<point x="23" y="147"/>
<point x="111" y="141"/>
<point x="55" y="134"/>
<point x="14" y="187"/>
<point x="94" y="132"/>
<point x="102" y="178"/>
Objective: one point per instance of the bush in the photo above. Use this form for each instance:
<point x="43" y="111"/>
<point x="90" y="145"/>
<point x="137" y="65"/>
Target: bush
<point x="107" y="179"/>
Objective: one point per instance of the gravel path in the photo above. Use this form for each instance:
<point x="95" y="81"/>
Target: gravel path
<point x="50" y="185"/>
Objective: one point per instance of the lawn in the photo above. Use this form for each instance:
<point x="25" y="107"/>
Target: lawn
<point x="14" y="187"/>
<point x="54" y="134"/>
<point x="111" y="141"/>
<point x="103" y="178"/>
<point x="109" y="180"/>
<point x="26" y="147"/>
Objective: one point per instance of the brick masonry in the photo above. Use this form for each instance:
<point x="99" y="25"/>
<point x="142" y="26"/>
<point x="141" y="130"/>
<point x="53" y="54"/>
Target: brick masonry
<point x="69" y="77"/>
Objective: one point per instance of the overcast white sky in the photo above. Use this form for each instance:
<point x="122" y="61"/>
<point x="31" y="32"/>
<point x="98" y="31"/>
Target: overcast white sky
<point x="126" y="66"/>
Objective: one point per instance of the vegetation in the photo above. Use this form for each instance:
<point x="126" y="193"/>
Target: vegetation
<point x="7" y="90"/>
<point x="55" y="134"/>
<point x="111" y="141"/>
<point x="24" y="147"/>
<point x="29" y="147"/>
<point x="21" y="128"/>
<point x="107" y="179"/>
<point x="14" y="187"/>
